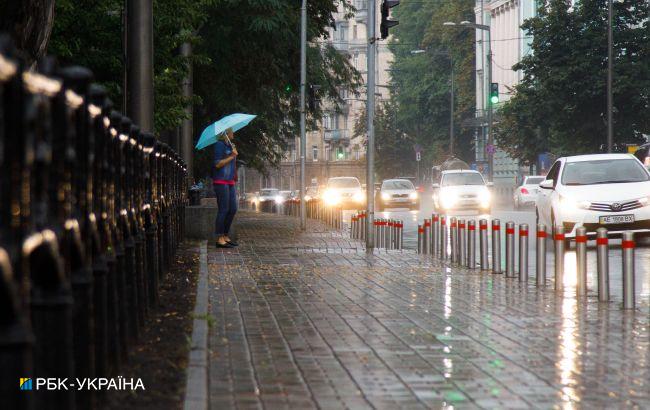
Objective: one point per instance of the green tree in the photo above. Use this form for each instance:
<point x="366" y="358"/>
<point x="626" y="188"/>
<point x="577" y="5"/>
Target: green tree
<point x="395" y="155"/>
<point x="254" y="47"/>
<point x="560" y="105"/>
<point x="90" y="33"/>
<point x="422" y="82"/>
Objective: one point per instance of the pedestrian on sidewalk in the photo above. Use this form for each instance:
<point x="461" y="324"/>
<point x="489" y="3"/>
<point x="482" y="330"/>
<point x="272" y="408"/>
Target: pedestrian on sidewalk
<point x="224" y="177"/>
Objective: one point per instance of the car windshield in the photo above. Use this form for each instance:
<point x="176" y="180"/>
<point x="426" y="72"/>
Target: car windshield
<point x="403" y="184"/>
<point x="469" y="178"/>
<point x="534" y="181"/>
<point x="343" y="183"/>
<point x="269" y="192"/>
<point x="608" y="171"/>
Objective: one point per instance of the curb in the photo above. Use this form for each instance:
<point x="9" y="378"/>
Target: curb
<point x="196" y="385"/>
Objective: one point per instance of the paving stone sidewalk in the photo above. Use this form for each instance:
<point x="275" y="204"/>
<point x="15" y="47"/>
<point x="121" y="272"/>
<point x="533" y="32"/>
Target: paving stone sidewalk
<point x="308" y="320"/>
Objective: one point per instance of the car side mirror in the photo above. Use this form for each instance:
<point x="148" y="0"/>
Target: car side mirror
<point x="435" y="186"/>
<point x="546" y="184"/>
<point x="490" y="184"/>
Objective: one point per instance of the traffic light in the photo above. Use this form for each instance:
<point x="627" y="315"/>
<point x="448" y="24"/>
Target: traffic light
<point x="288" y="88"/>
<point x="386" y="5"/>
<point x="311" y="96"/>
<point x="494" y="93"/>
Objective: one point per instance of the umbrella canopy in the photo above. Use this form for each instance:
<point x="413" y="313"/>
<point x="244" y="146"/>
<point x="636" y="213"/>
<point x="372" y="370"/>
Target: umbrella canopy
<point x="234" y="121"/>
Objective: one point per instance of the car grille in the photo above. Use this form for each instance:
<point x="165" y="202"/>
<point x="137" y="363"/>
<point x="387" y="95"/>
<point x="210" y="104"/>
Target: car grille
<point x="346" y="194"/>
<point x="468" y="196"/>
<point x="615" y="206"/>
<point x="400" y="195"/>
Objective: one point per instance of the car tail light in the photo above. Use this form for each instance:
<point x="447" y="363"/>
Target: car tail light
<point x="419" y="188"/>
<point x="524" y="191"/>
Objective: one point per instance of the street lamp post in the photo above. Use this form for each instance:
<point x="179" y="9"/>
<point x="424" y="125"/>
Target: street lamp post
<point x="303" y="134"/>
<point x="610" y="66"/>
<point x="370" y="110"/>
<point x="486" y="100"/>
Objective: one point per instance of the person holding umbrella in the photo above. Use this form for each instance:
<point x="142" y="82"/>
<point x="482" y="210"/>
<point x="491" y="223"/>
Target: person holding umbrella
<point x="224" y="177"/>
<point x="224" y="171"/>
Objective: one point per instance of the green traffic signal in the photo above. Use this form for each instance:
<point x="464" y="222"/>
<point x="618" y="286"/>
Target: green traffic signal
<point x="288" y="88"/>
<point x="494" y="93"/>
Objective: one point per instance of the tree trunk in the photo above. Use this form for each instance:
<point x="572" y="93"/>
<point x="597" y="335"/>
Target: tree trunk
<point x="29" y="22"/>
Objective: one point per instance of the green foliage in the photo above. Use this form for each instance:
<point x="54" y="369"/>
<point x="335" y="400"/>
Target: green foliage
<point x="561" y="104"/>
<point x="254" y="47"/>
<point x="90" y="33"/>
<point x="394" y="149"/>
<point x="422" y="82"/>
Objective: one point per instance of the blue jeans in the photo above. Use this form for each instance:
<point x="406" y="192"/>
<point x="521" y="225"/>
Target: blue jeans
<point x="227" y="202"/>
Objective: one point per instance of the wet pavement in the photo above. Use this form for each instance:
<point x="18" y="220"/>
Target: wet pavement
<point x="308" y="320"/>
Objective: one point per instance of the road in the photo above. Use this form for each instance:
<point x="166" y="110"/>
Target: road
<point x="411" y="219"/>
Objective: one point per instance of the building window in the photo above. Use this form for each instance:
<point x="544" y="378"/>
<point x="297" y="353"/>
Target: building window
<point x="314" y="152"/>
<point x="327" y="122"/>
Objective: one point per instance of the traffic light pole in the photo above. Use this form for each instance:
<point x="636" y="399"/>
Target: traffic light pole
<point x="370" y="148"/>
<point x="303" y="134"/>
<point x="490" y="112"/>
<point x="610" y="67"/>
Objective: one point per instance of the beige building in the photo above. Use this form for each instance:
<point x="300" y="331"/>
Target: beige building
<point x="332" y="150"/>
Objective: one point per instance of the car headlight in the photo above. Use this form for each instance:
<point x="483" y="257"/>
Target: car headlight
<point x="644" y="201"/>
<point x="569" y="204"/>
<point x="358" y="197"/>
<point x="484" y="198"/>
<point x="385" y="196"/>
<point x="331" y="197"/>
<point x="307" y="198"/>
<point x="448" y="200"/>
<point x="413" y="195"/>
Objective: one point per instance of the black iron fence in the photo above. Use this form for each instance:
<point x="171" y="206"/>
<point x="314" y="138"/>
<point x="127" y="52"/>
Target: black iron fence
<point x="91" y="212"/>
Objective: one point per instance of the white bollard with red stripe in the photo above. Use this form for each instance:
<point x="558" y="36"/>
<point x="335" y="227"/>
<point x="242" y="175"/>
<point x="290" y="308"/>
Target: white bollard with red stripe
<point x="602" y="262"/>
<point x="523" y="253"/>
<point x="558" y="237"/>
<point x="540" y="250"/>
<point x="510" y="249"/>
<point x="628" y="270"/>
<point x="483" y="243"/>
<point x="581" y="261"/>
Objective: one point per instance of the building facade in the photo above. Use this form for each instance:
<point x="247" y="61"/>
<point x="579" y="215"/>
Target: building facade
<point x="508" y="45"/>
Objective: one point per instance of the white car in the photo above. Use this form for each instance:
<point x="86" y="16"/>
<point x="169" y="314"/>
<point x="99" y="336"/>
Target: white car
<point x="345" y="192"/>
<point x="461" y="190"/>
<point x="526" y="193"/>
<point x="398" y="193"/>
<point x="603" y="190"/>
<point x="270" y="195"/>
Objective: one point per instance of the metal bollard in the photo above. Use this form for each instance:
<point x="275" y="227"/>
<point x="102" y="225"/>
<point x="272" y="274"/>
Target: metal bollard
<point x="581" y="261"/>
<point x="443" y="237"/>
<point x="523" y="253"/>
<point x="364" y="221"/>
<point x="496" y="246"/>
<point x="540" y="250"/>
<point x="425" y="238"/>
<point x="558" y="237"/>
<point x="389" y="234"/>
<point x="628" y="270"/>
<point x="453" y="230"/>
<point x="435" y="235"/>
<point x="510" y="249"/>
<point x="353" y="226"/>
<point x="420" y="233"/>
<point x="462" y="243"/>
<point x="483" y="244"/>
<point x="471" y="244"/>
<point x="602" y="263"/>
<point x="400" y="235"/>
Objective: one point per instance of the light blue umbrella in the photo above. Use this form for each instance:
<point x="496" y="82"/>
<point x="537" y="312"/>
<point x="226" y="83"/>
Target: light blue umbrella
<point x="212" y="131"/>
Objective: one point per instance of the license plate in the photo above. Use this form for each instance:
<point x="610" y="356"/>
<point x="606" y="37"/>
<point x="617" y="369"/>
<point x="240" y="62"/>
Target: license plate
<point x="400" y="199"/>
<point x="616" y="219"/>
